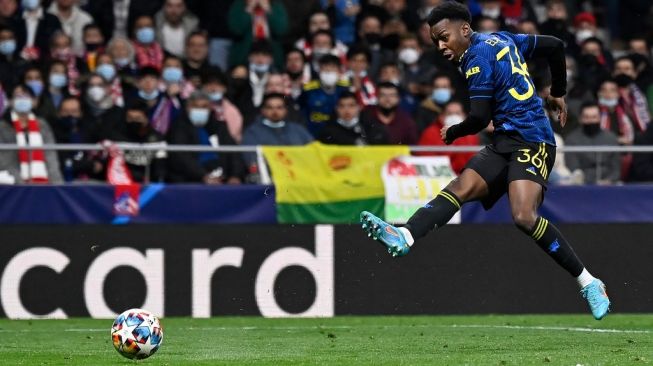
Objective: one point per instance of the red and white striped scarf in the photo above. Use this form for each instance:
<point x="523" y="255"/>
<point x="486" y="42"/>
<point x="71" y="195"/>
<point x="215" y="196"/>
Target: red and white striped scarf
<point x="73" y="75"/>
<point x="151" y="55"/>
<point x="116" y="93"/>
<point x="624" y="124"/>
<point x="32" y="168"/>
<point x="636" y="107"/>
<point x="366" y="95"/>
<point x="260" y="28"/>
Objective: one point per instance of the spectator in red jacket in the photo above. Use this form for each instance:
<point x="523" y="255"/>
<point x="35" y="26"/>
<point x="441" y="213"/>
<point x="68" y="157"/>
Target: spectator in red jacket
<point x="453" y="113"/>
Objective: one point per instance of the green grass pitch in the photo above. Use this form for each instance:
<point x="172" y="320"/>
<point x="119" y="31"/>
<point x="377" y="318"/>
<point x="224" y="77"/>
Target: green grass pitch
<point x="374" y="340"/>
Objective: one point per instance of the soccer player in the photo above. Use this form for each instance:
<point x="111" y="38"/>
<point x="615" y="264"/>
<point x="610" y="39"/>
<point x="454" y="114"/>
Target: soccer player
<point x="522" y="155"/>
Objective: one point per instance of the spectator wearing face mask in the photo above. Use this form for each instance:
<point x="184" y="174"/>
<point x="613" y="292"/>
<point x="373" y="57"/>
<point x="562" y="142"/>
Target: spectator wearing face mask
<point x="119" y="88"/>
<point x="240" y="93"/>
<point x="369" y="37"/>
<point x="92" y="47"/>
<point x="318" y="101"/>
<point x="631" y="98"/>
<point x="143" y="166"/>
<point x="260" y="67"/>
<point x="429" y="110"/>
<point x="557" y="23"/>
<point x="173" y="78"/>
<point x="600" y="169"/>
<point x="320" y="21"/>
<point x="148" y="52"/>
<point x="348" y="128"/>
<point x="22" y="127"/>
<point x="73" y="20"/>
<point x="272" y="127"/>
<point x="585" y="27"/>
<point x="415" y="69"/>
<point x="323" y="43"/>
<point x="33" y="29"/>
<point x="298" y="71"/>
<point x="453" y="113"/>
<point x="216" y="87"/>
<point x="398" y="124"/>
<point x="100" y="115"/>
<point x="61" y="50"/>
<point x="35" y="80"/>
<point x="12" y="66"/>
<point x="251" y="21"/>
<point x="197" y="126"/>
<point x="122" y="52"/>
<point x="164" y="105"/>
<point x="55" y="91"/>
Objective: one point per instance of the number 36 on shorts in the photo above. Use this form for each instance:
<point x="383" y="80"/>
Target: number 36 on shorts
<point x="538" y="160"/>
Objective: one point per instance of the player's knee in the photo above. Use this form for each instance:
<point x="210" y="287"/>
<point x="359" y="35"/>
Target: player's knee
<point x="524" y="219"/>
<point x="464" y="191"/>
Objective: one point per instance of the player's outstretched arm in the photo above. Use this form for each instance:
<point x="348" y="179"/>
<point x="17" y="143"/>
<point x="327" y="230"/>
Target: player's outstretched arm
<point x="478" y="119"/>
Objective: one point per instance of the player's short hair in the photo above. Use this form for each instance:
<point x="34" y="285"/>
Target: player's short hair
<point x="270" y="96"/>
<point x="347" y="95"/>
<point x="388" y="85"/>
<point x="586" y="105"/>
<point x="329" y="60"/>
<point x="449" y="10"/>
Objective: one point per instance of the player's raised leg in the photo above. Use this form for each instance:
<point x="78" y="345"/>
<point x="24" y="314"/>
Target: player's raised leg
<point x="469" y="186"/>
<point x="525" y="197"/>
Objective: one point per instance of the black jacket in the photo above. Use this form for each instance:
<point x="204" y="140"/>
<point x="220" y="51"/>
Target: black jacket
<point x="102" y="12"/>
<point x="186" y="167"/>
<point x="361" y="134"/>
<point x="44" y="30"/>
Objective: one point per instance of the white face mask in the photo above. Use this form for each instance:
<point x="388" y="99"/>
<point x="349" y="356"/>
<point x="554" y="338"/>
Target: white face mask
<point x="452" y="119"/>
<point x="609" y="102"/>
<point x="584" y="34"/>
<point x="96" y="93"/>
<point x="271" y="124"/>
<point x="348" y="124"/>
<point x="329" y="78"/>
<point x="409" y="56"/>
<point x="493" y="13"/>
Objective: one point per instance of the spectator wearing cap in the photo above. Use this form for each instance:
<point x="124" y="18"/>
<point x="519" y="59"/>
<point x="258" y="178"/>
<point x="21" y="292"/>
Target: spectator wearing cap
<point x="73" y="20"/>
<point x="147" y="51"/>
<point x="33" y="29"/>
<point x="144" y="166"/>
<point x="251" y="21"/>
<point x="198" y="126"/>
<point x="585" y="27"/>
<point x="216" y="87"/>
<point x="174" y="23"/>
<point x="318" y="101"/>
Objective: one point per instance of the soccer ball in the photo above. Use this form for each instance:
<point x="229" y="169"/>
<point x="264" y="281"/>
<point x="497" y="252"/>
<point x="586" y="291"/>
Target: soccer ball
<point x="136" y="334"/>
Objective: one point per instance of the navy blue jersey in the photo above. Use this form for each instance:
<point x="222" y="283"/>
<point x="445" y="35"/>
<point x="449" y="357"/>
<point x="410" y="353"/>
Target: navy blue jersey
<point x="495" y="67"/>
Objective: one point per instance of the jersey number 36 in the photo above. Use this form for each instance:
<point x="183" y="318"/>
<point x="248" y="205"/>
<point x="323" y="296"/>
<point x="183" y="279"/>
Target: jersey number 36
<point x="517" y="68"/>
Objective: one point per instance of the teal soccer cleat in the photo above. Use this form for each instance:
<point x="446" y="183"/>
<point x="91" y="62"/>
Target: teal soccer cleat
<point x="384" y="233"/>
<point x="597" y="298"/>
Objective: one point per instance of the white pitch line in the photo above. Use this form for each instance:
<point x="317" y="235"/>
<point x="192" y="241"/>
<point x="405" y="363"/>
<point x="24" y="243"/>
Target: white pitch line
<point x="480" y="326"/>
<point x="533" y="327"/>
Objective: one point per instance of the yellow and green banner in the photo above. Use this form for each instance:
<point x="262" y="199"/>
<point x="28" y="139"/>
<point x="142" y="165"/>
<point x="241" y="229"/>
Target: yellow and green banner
<point x="319" y="183"/>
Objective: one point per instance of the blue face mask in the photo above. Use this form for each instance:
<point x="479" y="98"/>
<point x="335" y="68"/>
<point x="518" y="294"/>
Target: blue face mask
<point x="148" y="96"/>
<point x="22" y="104"/>
<point x="259" y="68"/>
<point x="145" y="35"/>
<point x="30" y="4"/>
<point x="216" y="97"/>
<point x="199" y="116"/>
<point x="107" y="71"/>
<point x="172" y="74"/>
<point x="441" y="95"/>
<point x="122" y="62"/>
<point x="36" y="86"/>
<point x="8" y="47"/>
<point x="58" y="80"/>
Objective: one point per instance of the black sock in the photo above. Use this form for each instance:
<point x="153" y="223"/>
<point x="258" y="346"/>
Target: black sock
<point x="433" y="214"/>
<point x="549" y="238"/>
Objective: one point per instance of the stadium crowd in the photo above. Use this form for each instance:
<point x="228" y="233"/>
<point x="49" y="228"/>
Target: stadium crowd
<point x="287" y="72"/>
